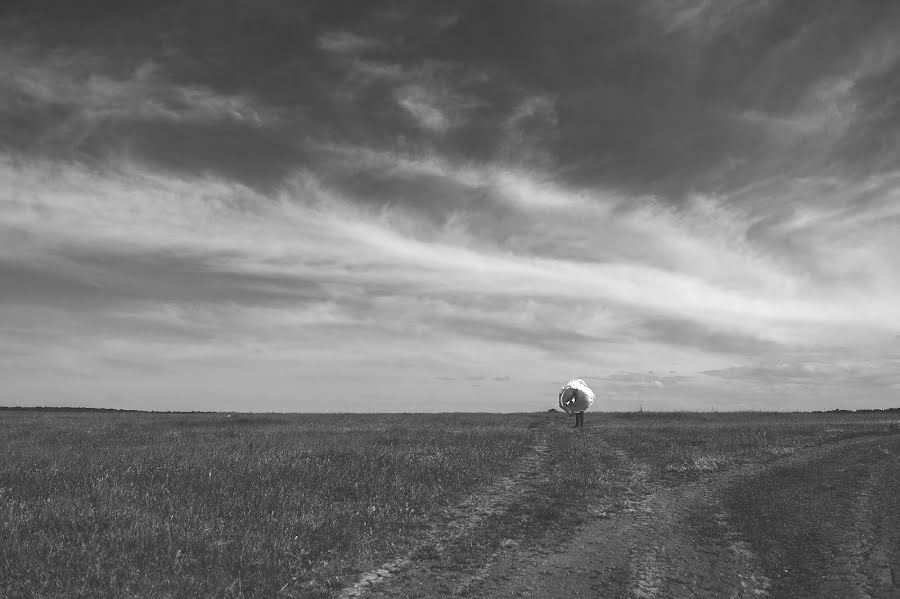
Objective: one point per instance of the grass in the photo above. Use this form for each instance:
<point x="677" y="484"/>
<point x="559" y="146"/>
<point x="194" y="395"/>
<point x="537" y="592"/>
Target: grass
<point x="683" y="446"/>
<point x="200" y="505"/>
<point x="172" y="505"/>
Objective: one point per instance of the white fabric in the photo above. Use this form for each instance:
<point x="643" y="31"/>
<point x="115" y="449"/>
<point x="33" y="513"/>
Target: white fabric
<point x="575" y="397"/>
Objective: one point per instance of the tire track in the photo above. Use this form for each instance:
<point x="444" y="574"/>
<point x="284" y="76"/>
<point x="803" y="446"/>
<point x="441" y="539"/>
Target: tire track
<point x="844" y="496"/>
<point x="658" y="543"/>
<point x="680" y="542"/>
<point x="874" y="551"/>
<point x="533" y="572"/>
<point x="463" y="518"/>
<point x="687" y="548"/>
<point x="636" y="474"/>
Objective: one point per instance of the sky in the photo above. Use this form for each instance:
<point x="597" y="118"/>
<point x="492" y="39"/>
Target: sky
<point x="269" y="205"/>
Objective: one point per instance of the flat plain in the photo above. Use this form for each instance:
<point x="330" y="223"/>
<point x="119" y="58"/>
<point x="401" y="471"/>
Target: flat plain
<point x="129" y="504"/>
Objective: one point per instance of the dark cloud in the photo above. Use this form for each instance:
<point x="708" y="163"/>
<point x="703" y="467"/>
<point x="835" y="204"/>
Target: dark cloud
<point x="632" y="94"/>
<point x="879" y="373"/>
<point x="89" y="280"/>
<point x="682" y="332"/>
<point x="259" y="158"/>
<point x="550" y="338"/>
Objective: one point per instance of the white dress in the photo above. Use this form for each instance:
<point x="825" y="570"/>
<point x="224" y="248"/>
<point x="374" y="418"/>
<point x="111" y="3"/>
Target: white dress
<point x="576" y="397"/>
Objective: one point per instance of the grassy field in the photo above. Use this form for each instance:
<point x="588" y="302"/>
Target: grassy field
<point x="100" y="504"/>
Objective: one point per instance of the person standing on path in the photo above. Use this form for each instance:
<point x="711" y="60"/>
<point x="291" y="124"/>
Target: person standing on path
<point x="576" y="397"/>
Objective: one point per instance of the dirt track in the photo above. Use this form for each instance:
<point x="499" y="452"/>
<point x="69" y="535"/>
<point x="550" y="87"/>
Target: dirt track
<point x="822" y="522"/>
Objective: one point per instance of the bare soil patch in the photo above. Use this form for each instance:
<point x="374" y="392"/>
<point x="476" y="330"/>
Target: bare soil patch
<point x="820" y="521"/>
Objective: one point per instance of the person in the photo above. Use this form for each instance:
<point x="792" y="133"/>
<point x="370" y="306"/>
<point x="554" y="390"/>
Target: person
<point x="576" y="397"/>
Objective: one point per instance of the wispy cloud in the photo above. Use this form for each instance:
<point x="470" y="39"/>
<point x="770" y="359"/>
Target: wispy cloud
<point x="136" y="210"/>
<point x="824" y="372"/>
<point x="461" y="199"/>
<point x="346" y="42"/>
<point x="145" y="94"/>
<point x="422" y="106"/>
<point x="704" y="18"/>
<point x="438" y="95"/>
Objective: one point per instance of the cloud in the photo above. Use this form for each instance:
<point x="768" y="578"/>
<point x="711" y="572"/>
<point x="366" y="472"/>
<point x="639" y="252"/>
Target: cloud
<point x="78" y="277"/>
<point x="364" y="247"/>
<point x="145" y="95"/>
<point x="421" y="105"/>
<point x="294" y="193"/>
<point x="528" y="129"/>
<point x="345" y="42"/>
<point x="710" y="239"/>
<point x="623" y="379"/>
<point x="703" y="18"/>
<point x="71" y="108"/>
<point x="437" y="95"/>
<point x="679" y="332"/>
<point x="848" y="372"/>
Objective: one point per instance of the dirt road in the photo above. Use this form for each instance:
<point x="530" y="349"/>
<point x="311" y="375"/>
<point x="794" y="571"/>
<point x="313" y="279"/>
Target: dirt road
<point x="822" y="522"/>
